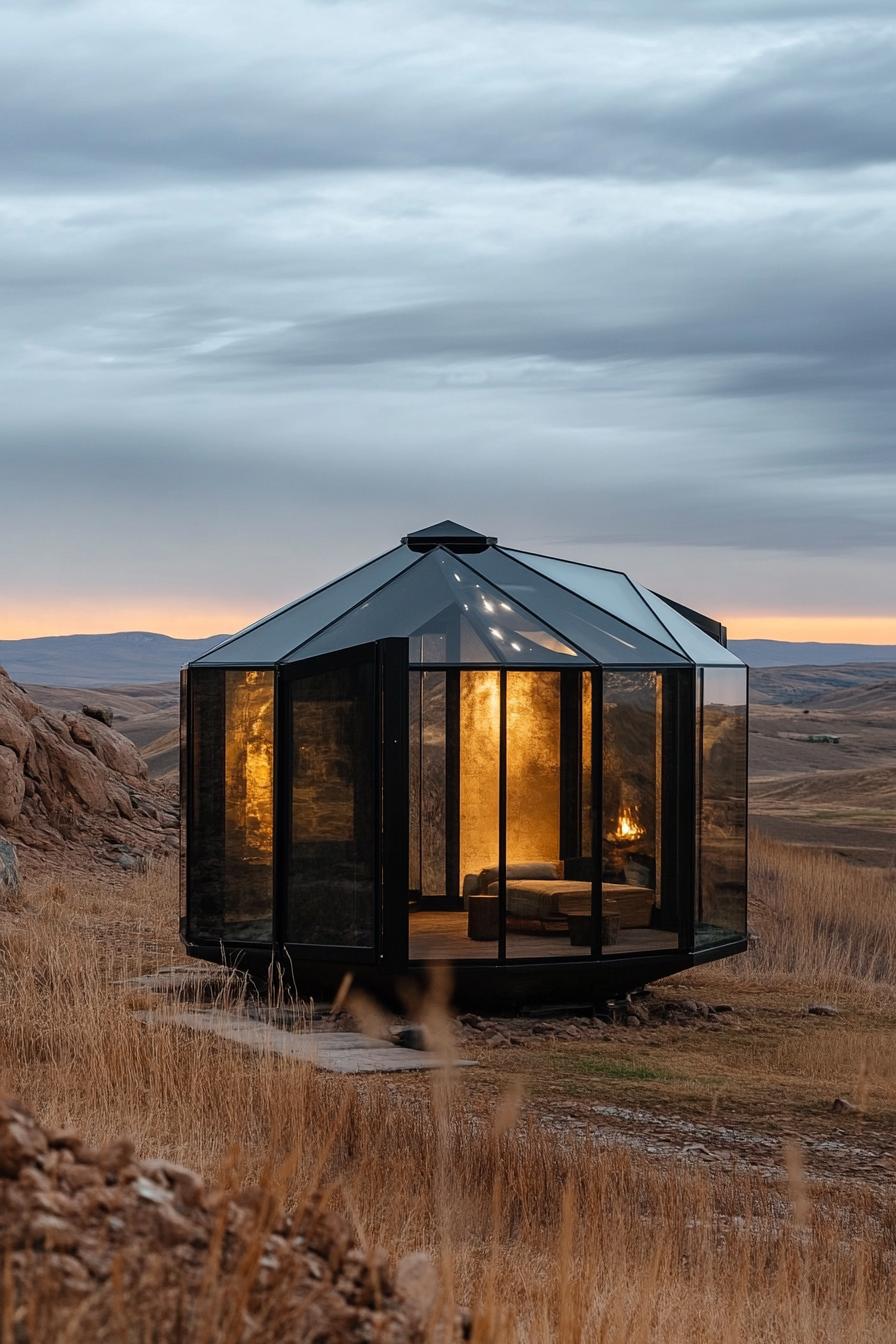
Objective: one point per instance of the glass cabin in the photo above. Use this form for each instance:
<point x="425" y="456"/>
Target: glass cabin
<point x="530" y="769"/>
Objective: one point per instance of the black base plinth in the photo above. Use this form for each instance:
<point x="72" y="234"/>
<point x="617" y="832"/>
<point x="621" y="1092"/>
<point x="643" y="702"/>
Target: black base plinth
<point x="476" y="984"/>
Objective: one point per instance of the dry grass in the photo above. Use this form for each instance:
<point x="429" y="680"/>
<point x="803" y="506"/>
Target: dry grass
<point x="822" y="923"/>
<point x="550" y="1238"/>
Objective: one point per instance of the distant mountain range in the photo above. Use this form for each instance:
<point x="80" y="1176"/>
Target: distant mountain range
<point x="780" y="653"/>
<point x="138" y="657"/>
<point x="128" y="658"/>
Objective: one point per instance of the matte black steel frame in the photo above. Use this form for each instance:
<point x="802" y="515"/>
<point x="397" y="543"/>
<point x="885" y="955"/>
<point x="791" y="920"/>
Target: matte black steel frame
<point x="484" y="981"/>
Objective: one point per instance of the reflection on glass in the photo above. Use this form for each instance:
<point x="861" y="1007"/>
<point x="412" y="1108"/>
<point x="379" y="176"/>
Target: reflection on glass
<point x="450" y="615"/>
<point x="277" y="635"/>
<point x="632" y="893"/>
<point x="231" y="866"/>
<point x="721" y="909"/>
<point x="433" y="785"/>
<point x="606" y="588"/>
<point x="333" y="807"/>
<point x="592" y="630"/>
<point x="586" y="791"/>
<point x="414" y="743"/>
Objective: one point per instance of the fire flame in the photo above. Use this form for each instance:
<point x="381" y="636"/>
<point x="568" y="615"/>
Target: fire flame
<point x="627" y="827"/>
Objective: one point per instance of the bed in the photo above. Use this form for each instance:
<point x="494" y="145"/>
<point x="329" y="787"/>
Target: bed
<point x="555" y="899"/>
<point x="540" y="892"/>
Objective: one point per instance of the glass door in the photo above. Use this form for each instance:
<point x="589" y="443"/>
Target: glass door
<point x="329" y="804"/>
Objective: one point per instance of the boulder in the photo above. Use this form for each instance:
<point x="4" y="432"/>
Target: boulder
<point x="411" y="1037"/>
<point x="12" y="786"/>
<point x="9" y="868"/>
<point x="98" y="712"/>
<point x="107" y="746"/>
<point x="14" y="732"/>
<point x="72" y="775"/>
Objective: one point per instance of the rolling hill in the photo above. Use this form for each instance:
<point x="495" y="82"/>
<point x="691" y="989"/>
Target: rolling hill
<point x="782" y="653"/>
<point x="100" y="660"/>
<point x="134" y="657"/>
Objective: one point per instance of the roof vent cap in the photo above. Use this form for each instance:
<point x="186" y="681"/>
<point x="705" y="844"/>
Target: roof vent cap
<point x="450" y="535"/>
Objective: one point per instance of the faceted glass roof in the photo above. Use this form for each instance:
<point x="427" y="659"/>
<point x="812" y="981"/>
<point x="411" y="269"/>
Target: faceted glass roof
<point x="459" y="598"/>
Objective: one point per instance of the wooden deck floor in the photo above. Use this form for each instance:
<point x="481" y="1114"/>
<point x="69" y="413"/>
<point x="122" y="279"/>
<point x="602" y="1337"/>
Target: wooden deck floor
<point x="443" y="934"/>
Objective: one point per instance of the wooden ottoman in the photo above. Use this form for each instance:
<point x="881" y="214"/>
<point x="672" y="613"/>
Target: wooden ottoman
<point x="482" y="918"/>
<point x="580" y="930"/>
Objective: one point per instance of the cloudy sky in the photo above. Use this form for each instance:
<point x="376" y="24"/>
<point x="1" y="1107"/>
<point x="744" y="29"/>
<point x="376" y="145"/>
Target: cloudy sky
<point x="284" y="280"/>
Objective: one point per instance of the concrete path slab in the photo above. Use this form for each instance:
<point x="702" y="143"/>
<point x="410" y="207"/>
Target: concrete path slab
<point x="333" y="1051"/>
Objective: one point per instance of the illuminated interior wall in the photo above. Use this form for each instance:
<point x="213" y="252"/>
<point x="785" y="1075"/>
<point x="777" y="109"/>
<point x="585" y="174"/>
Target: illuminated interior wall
<point x="249" y="767"/>
<point x="533" y="766"/>
<point x="480" y="731"/>
<point x="231" y="801"/>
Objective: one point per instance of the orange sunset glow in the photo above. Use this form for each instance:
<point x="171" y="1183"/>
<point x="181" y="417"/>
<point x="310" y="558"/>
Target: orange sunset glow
<point x="817" y="628"/>
<point x="194" y="620"/>
<point x="182" y="620"/>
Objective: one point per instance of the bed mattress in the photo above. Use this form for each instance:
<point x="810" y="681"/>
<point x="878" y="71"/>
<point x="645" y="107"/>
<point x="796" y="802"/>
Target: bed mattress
<point x="556" y="898"/>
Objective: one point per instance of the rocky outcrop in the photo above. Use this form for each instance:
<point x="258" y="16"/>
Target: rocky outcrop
<point x="98" y="712"/>
<point x="69" y="781"/>
<point x="189" y="1260"/>
<point x="9" y="868"/>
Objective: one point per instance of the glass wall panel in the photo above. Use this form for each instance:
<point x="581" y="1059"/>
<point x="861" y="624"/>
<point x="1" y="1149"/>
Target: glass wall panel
<point x="634" y="917"/>
<point x="480" y="790"/>
<point x="184" y="790"/>
<point x="332" y="852"/>
<point x="232" y="805"/>
<point x="414" y="752"/>
<point x="433" y="785"/>
<point x="722" y="900"/>
<point x="455" y="726"/>
<point x="586" y="793"/>
<point x="542" y="904"/>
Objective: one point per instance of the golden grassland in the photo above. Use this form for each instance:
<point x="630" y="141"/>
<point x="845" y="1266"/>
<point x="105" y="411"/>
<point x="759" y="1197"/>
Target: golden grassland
<point x="549" y="1235"/>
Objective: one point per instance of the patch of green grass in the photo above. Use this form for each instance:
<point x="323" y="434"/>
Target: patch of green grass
<point x="624" y="1071"/>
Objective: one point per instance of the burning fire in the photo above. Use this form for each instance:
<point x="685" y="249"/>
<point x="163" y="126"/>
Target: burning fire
<point x="627" y="827"/>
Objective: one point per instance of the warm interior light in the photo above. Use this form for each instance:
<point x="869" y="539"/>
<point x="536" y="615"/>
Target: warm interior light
<point x="249" y="764"/>
<point x="627" y="827"/>
<point x="480" y="749"/>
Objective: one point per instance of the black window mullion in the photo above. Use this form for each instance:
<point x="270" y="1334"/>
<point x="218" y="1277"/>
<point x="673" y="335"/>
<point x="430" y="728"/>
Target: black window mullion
<point x="502" y="823"/>
<point x="597" y="811"/>
<point x="283" y="764"/>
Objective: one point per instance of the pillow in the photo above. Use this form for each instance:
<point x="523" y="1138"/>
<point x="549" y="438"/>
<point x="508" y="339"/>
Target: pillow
<point x="544" y="869"/>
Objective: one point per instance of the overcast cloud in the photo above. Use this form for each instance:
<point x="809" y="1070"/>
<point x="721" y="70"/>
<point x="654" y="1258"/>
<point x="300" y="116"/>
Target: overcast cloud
<point x="283" y="281"/>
